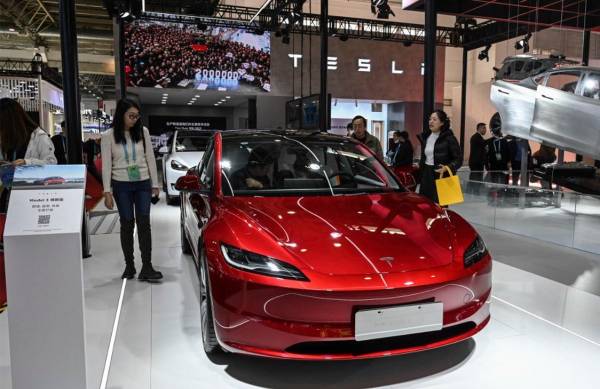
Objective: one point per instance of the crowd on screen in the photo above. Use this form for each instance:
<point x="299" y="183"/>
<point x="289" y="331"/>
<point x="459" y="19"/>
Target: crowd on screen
<point x="164" y="56"/>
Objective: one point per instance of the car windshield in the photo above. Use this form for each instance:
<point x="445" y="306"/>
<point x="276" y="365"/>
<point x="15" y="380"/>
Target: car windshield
<point x="270" y="164"/>
<point x="191" y="143"/>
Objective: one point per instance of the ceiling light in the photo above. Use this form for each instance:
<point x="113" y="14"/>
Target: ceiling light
<point x="196" y="96"/>
<point x="11" y="29"/>
<point x="216" y="104"/>
<point x="483" y="54"/>
<point x="165" y="94"/>
<point x="227" y="97"/>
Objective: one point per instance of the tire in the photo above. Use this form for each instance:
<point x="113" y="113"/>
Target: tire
<point x="164" y="180"/>
<point x="171" y="200"/>
<point x="186" y="248"/>
<point x="209" y="337"/>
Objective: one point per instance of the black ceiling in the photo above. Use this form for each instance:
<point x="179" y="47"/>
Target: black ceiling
<point x="536" y="13"/>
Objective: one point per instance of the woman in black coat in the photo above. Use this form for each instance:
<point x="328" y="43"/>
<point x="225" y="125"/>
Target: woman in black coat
<point x="439" y="148"/>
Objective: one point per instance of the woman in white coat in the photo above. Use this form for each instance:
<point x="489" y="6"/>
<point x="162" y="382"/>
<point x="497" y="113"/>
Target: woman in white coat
<point x="22" y="141"/>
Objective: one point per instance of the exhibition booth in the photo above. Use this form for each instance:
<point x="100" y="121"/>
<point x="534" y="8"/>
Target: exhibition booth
<point x="289" y="248"/>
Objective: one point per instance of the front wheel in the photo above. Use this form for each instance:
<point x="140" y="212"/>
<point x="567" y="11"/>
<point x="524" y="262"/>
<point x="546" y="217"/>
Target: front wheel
<point x="209" y="337"/>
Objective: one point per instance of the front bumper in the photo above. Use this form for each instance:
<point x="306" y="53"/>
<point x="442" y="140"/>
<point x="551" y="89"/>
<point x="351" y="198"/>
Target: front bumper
<point x="275" y="322"/>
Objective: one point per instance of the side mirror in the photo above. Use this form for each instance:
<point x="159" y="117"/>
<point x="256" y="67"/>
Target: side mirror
<point x="163" y="150"/>
<point x="189" y="183"/>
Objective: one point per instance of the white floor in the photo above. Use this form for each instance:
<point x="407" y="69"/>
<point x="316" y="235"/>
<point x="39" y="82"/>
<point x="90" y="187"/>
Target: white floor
<point x="543" y="334"/>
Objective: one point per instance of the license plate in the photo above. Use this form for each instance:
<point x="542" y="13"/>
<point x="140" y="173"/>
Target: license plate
<point x="398" y="321"/>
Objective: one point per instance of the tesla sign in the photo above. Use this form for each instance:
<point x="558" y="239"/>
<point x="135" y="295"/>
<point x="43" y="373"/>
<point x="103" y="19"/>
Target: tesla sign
<point x="362" y="64"/>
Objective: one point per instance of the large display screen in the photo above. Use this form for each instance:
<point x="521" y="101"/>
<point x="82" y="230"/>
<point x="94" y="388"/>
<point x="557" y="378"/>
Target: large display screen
<point x="177" y="55"/>
<point x="303" y="113"/>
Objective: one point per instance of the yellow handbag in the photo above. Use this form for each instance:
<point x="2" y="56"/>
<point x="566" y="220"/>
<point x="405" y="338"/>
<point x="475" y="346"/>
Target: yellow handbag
<point x="448" y="189"/>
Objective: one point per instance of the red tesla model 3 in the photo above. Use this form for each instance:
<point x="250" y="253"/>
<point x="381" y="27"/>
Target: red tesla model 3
<point x="308" y="248"/>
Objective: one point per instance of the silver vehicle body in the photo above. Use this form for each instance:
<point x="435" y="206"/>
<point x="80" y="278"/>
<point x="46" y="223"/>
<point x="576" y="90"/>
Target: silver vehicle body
<point x="559" y="107"/>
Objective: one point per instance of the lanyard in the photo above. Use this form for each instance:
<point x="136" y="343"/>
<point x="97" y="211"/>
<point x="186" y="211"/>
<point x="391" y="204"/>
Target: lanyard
<point x="498" y="145"/>
<point x="127" y="153"/>
<point x="396" y="152"/>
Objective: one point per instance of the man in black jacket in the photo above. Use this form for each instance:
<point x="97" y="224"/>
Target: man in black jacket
<point x="403" y="152"/>
<point x="477" y="158"/>
<point x="60" y="145"/>
<point x="498" y="157"/>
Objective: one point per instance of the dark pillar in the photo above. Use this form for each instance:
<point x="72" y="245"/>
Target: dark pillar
<point x="70" y="68"/>
<point x="429" y="79"/>
<point x="119" y="49"/>
<point x="585" y="56"/>
<point x="323" y="25"/>
<point x="252" y="113"/>
<point x="463" y="99"/>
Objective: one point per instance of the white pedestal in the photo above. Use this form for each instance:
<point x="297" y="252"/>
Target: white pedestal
<point x="45" y="288"/>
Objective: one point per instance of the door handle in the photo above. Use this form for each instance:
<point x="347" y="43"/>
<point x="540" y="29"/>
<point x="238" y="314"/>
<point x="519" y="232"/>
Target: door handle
<point x="548" y="97"/>
<point x="503" y="92"/>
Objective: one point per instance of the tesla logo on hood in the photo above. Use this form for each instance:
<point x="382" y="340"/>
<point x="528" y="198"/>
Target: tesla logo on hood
<point x="387" y="260"/>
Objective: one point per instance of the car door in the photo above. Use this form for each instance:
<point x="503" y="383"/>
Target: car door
<point x="515" y="104"/>
<point x="560" y="111"/>
<point x="589" y="120"/>
<point x="198" y="205"/>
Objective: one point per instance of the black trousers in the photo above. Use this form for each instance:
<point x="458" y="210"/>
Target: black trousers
<point x="428" y="189"/>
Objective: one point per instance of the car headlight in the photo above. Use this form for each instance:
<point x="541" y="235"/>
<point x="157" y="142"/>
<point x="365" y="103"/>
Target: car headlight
<point x="178" y="166"/>
<point x="475" y="252"/>
<point x="256" y="263"/>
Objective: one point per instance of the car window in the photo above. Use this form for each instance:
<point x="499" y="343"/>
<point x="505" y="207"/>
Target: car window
<point x="591" y="86"/>
<point x="206" y="176"/>
<point x="564" y="81"/>
<point x="528" y="67"/>
<point x="537" y="65"/>
<point x="519" y="66"/>
<point x="272" y="164"/>
<point x="191" y="143"/>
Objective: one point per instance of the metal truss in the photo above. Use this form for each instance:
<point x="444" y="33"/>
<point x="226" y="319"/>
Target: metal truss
<point x="277" y="19"/>
<point x="30" y="17"/>
<point x="491" y="32"/>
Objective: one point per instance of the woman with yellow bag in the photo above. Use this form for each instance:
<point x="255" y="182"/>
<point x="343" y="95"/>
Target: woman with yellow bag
<point x="440" y="152"/>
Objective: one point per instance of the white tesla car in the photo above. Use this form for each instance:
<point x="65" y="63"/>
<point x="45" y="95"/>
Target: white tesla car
<point x="560" y="107"/>
<point x="184" y="150"/>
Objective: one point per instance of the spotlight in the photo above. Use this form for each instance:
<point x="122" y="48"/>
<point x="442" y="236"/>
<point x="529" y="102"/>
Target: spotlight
<point x="278" y="33"/>
<point x="382" y="9"/>
<point x="523" y="43"/>
<point x="285" y="40"/>
<point x="483" y="54"/>
<point x="407" y="43"/>
<point x="344" y="37"/>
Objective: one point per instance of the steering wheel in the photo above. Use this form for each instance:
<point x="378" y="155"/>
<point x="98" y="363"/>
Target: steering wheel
<point x="341" y="175"/>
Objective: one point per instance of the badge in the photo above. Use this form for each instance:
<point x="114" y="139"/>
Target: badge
<point x="133" y="172"/>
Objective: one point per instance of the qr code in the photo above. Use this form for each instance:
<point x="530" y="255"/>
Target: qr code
<point x="44" y="219"/>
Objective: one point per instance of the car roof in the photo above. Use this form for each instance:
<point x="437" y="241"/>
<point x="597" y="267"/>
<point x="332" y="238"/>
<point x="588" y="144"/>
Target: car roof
<point x="296" y="134"/>
<point x="207" y="133"/>
<point x="581" y="68"/>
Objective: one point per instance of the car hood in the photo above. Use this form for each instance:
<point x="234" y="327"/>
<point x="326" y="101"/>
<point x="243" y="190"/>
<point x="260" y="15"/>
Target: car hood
<point x="350" y="235"/>
<point x="188" y="158"/>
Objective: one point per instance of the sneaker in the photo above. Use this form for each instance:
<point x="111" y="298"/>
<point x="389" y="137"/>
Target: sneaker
<point x="129" y="272"/>
<point x="149" y="274"/>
